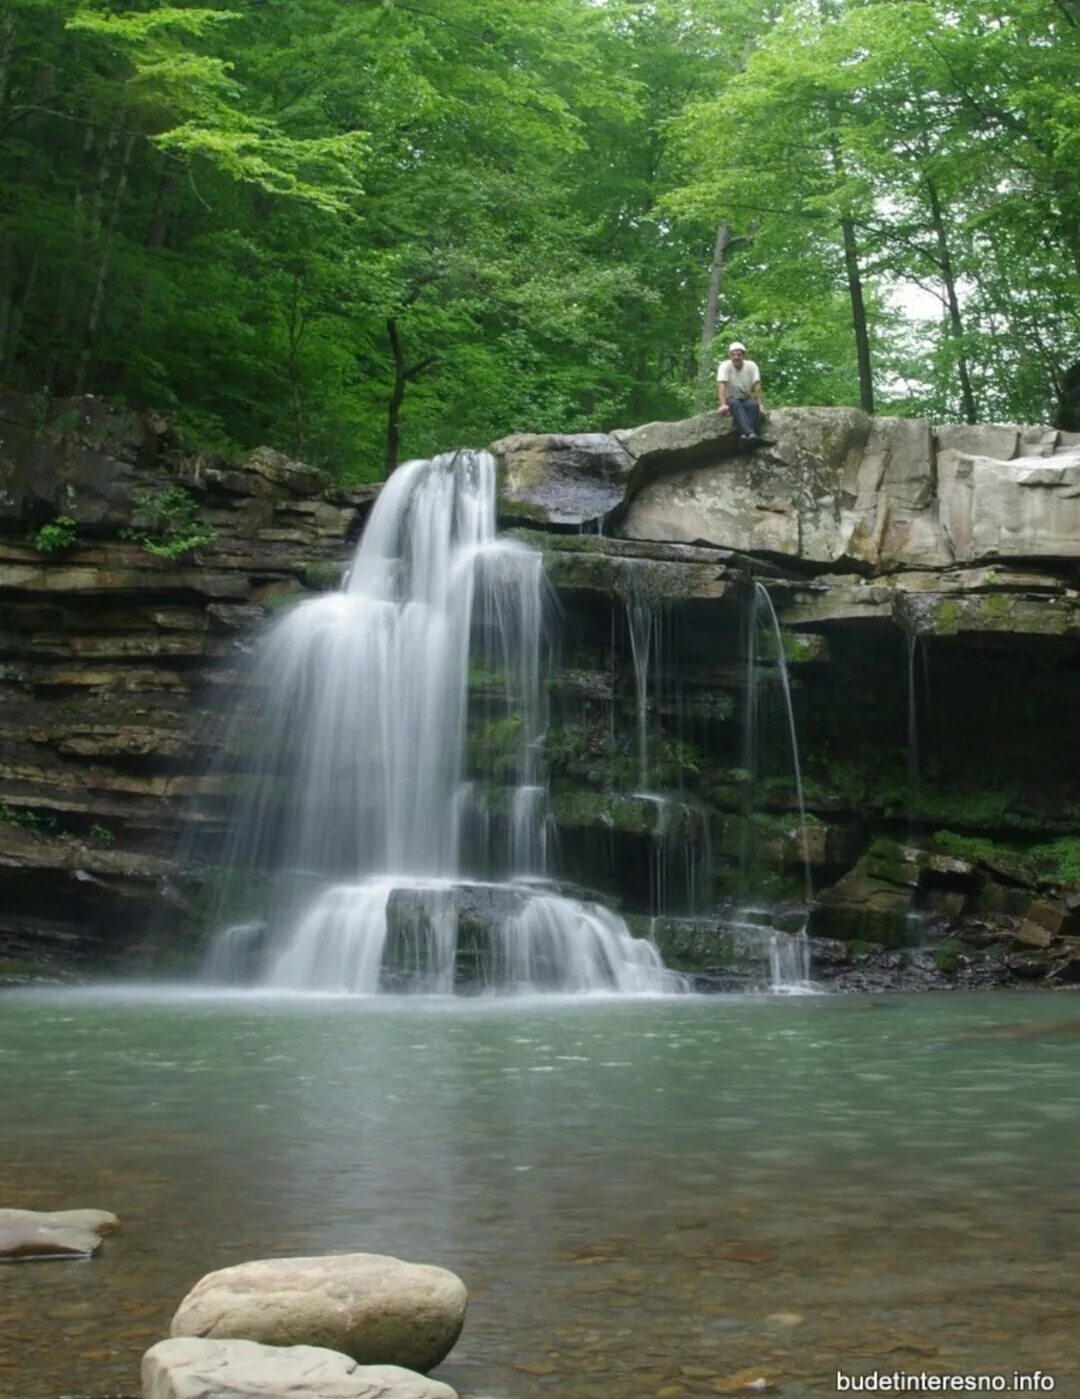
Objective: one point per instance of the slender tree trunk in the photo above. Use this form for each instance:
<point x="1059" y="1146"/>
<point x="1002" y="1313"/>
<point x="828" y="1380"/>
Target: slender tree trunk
<point x="712" y="306"/>
<point x="855" y="294"/>
<point x="7" y="46"/>
<point x="402" y="376"/>
<point x="155" y="239"/>
<point x="858" y="317"/>
<point x="97" y="305"/>
<point x="956" y="324"/>
<point x="397" y="398"/>
<point x="296" y="334"/>
<point x="7" y="256"/>
<point x="17" y="315"/>
<point x="159" y="223"/>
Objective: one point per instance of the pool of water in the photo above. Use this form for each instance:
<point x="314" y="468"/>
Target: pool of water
<point x="644" y="1197"/>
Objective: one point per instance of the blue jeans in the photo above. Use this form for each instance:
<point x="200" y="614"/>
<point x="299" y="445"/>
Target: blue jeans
<point x="746" y="415"/>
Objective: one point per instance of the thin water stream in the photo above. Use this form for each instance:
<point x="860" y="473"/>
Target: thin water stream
<point x="645" y="1198"/>
<point x="789" y="952"/>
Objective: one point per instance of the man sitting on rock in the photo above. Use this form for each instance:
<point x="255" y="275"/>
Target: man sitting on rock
<point x="738" y="386"/>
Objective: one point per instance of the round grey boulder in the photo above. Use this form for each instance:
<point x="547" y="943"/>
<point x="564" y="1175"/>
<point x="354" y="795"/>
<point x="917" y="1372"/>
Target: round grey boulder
<point x="195" y="1369"/>
<point x="379" y="1310"/>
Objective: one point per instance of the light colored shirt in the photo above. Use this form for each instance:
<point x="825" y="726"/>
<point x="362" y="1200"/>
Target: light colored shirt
<point x="740" y="381"/>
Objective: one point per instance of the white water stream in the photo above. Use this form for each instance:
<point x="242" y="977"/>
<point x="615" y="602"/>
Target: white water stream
<point x="358" y="782"/>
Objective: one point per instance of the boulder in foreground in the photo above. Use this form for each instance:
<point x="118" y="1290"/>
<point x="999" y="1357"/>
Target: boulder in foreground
<point x="196" y="1369"/>
<point x="378" y="1310"/>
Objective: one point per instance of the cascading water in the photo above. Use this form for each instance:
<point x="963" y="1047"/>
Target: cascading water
<point x="789" y="953"/>
<point x="679" y="865"/>
<point x="359" y="782"/>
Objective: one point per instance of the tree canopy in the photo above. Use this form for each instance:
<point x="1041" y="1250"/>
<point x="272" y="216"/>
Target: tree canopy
<point x="361" y="230"/>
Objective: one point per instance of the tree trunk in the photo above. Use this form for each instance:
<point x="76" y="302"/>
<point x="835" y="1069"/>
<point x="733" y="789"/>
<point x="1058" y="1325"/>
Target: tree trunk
<point x="97" y="305"/>
<point x="18" y="314"/>
<point x="855" y="293"/>
<point x="956" y="325"/>
<point x="858" y="317"/>
<point x="402" y="375"/>
<point x="1068" y="410"/>
<point x="712" y="306"/>
<point x="296" y="334"/>
<point x="159" y="223"/>
<point x="397" y="398"/>
<point x="7" y="46"/>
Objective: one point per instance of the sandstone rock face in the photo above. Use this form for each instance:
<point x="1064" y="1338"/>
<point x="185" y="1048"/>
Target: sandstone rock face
<point x="569" y="479"/>
<point x="838" y="487"/>
<point x="198" y="1369"/>
<point x="27" y="1234"/>
<point x="112" y="659"/>
<point x="379" y="1310"/>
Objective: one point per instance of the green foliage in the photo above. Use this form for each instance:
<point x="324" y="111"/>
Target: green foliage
<point x="1053" y="863"/>
<point x="948" y="956"/>
<point x="57" y="535"/>
<point x="38" y="822"/>
<point x="276" y="220"/>
<point x="170" y="524"/>
<point x="101" y="836"/>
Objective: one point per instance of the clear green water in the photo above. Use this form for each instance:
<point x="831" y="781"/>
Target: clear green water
<point x="644" y="1198"/>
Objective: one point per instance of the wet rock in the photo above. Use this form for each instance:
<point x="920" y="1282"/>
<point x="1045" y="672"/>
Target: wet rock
<point x="1032" y="935"/>
<point x="200" y="1369"/>
<point x="869" y="902"/>
<point x="1054" y="916"/>
<point x="879" y="969"/>
<point x="379" y="1310"/>
<point x="29" y="1234"/>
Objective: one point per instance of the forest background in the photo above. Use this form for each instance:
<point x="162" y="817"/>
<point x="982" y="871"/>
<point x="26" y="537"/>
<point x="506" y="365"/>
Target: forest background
<point x="359" y="230"/>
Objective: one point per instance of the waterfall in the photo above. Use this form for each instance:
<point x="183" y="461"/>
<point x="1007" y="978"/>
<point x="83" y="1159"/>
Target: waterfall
<point x="789" y="953"/>
<point x="912" y="641"/>
<point x="359" y="773"/>
<point x="680" y="836"/>
<point x="644" y="632"/>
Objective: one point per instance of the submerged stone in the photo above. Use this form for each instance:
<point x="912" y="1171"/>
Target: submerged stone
<point x="29" y="1234"/>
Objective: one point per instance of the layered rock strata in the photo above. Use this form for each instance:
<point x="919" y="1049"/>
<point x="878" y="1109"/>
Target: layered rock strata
<point x="115" y="660"/>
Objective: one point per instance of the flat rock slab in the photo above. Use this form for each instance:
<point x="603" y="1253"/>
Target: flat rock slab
<point x="378" y="1310"/>
<point x="197" y="1369"/>
<point x="29" y="1234"/>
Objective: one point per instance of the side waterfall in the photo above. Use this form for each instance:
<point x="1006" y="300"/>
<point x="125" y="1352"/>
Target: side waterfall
<point x="679" y="860"/>
<point x="789" y="953"/>
<point x="346" y="856"/>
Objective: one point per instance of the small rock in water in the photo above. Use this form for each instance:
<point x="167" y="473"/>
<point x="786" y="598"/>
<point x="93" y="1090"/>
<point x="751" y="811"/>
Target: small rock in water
<point x="29" y="1234"/>
<point x="378" y="1310"/>
<point x="186" y="1368"/>
<point x="784" y="1319"/>
<point x="745" y="1382"/>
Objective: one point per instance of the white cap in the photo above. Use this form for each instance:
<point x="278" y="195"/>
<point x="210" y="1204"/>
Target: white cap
<point x="736" y="345"/>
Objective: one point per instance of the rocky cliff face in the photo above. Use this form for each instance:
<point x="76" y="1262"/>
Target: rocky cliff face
<point x="927" y="584"/>
<point x="115" y="659"/>
<point x="926" y="581"/>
